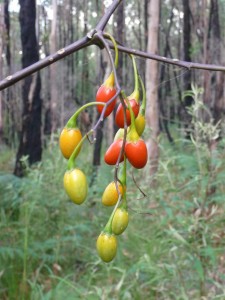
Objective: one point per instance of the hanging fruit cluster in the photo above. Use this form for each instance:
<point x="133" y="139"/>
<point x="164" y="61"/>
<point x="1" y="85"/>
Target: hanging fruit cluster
<point x="127" y="146"/>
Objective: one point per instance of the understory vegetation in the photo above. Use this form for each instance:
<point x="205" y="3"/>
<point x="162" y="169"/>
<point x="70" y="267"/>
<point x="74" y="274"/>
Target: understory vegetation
<point x="173" y="247"/>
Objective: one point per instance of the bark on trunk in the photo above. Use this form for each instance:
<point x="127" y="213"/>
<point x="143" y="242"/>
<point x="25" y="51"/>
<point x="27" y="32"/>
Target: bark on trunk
<point x="218" y="87"/>
<point x="152" y="112"/>
<point x="163" y="92"/>
<point x="53" y="72"/>
<point x="30" y="139"/>
<point x="1" y="64"/>
<point x="184" y="116"/>
<point x="99" y="132"/>
<point x="187" y="47"/>
<point x="206" y="58"/>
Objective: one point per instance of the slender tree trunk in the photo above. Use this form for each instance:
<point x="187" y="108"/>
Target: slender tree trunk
<point x="2" y="27"/>
<point x="53" y="72"/>
<point x="10" y="129"/>
<point x="7" y="28"/>
<point x="72" y="56"/>
<point x="119" y="35"/>
<point x="146" y="23"/>
<point x="98" y="144"/>
<point x="104" y="72"/>
<point x="152" y="111"/>
<point x="163" y="92"/>
<point x="105" y="69"/>
<point x="30" y="139"/>
<point x="141" y="64"/>
<point x="85" y="73"/>
<point x="206" y="57"/>
<point x="187" y="48"/>
<point x="185" y="117"/>
<point x="218" y="88"/>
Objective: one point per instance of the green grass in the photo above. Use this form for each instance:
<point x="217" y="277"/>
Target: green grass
<point x="168" y="251"/>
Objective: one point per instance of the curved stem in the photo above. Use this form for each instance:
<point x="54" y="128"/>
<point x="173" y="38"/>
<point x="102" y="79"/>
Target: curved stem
<point x="124" y="201"/>
<point x="118" y="88"/>
<point x="123" y="174"/>
<point x="108" y="36"/>
<point x="132" y="126"/>
<point x="72" y="122"/>
<point x="122" y="178"/>
<point x="124" y="139"/>
<point x="136" y="81"/>
<point x="102" y="39"/>
<point x="108" y="226"/>
<point x="104" y="109"/>
<point x="71" y="161"/>
<point x="143" y="104"/>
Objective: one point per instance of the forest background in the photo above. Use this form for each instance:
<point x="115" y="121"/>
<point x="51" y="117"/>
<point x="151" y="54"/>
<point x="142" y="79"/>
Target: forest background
<point x="173" y="247"/>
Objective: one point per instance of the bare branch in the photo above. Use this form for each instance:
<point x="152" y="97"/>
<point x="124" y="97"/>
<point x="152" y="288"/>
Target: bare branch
<point x="94" y="38"/>
<point x="172" y="61"/>
<point x="104" y="20"/>
<point x="83" y="42"/>
<point x="11" y="79"/>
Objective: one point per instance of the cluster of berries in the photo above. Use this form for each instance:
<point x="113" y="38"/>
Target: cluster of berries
<point x="127" y="146"/>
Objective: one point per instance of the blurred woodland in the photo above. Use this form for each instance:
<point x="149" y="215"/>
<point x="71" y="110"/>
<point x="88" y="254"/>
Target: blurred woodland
<point x="174" y="245"/>
<point x="186" y="30"/>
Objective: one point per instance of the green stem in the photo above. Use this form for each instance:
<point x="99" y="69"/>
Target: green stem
<point x="136" y="81"/>
<point x="124" y="201"/>
<point x="124" y="183"/>
<point x="71" y="161"/>
<point x="72" y="123"/>
<point x="143" y="104"/>
<point x="123" y="173"/>
<point x="132" y="126"/>
<point x="109" y="36"/>
<point x="108" y="226"/>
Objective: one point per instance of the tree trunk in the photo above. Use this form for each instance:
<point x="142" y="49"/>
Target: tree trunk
<point x="146" y="23"/>
<point x="187" y="57"/>
<point x="163" y="91"/>
<point x="10" y="127"/>
<point x="98" y="144"/>
<point x="206" y="58"/>
<point x="30" y="139"/>
<point x="105" y="69"/>
<point x="7" y="28"/>
<point x="85" y="71"/>
<point x="53" y="72"/>
<point x="187" y="48"/>
<point x="1" y="64"/>
<point x="152" y="112"/>
<point x="119" y="35"/>
<point x="218" y="89"/>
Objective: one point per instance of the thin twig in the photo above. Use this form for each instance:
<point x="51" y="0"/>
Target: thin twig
<point x="171" y="61"/>
<point x="135" y="182"/>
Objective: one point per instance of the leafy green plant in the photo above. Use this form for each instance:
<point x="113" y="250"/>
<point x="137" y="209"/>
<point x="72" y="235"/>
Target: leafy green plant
<point x="172" y="248"/>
